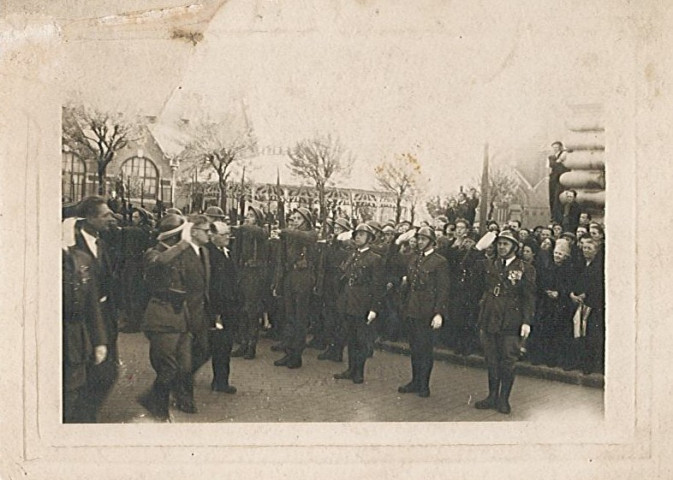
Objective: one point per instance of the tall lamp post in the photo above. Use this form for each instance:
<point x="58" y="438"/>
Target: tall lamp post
<point x="174" y="163"/>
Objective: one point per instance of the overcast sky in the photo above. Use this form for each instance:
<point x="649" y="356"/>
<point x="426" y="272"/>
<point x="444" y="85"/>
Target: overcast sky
<point x="435" y="78"/>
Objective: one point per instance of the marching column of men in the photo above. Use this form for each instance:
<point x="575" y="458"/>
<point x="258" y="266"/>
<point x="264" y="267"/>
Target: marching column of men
<point x="201" y="292"/>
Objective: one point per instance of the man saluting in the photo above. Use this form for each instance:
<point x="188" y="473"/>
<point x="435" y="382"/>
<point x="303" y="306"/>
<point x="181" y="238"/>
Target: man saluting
<point x="507" y="308"/>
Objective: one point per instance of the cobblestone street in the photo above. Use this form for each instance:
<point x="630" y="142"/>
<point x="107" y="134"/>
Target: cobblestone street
<point x="310" y="394"/>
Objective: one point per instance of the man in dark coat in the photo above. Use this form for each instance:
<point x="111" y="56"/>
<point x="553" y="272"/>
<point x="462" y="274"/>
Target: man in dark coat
<point x="295" y="278"/>
<point x="223" y="306"/>
<point x="84" y="331"/>
<point x="427" y="303"/>
<point x="335" y="253"/>
<point x="589" y="294"/>
<point x="98" y="219"/>
<point x="251" y="256"/>
<point x="360" y="300"/>
<point x="507" y="310"/>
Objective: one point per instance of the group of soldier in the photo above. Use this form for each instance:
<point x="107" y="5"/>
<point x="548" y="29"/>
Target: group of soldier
<point x="207" y="285"/>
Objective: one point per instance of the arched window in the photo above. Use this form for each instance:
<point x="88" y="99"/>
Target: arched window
<point x="73" y="176"/>
<point x="141" y="177"/>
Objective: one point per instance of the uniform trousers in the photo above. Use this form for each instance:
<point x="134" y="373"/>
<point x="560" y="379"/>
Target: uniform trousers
<point x="170" y="356"/>
<point x="254" y="289"/>
<point x="297" y="291"/>
<point x="420" y="344"/>
<point x="501" y="352"/>
<point x="358" y="338"/>
<point x="334" y="327"/>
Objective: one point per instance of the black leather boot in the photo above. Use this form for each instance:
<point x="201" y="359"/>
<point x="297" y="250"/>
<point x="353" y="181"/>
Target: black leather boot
<point x="250" y="351"/>
<point x="156" y="401"/>
<point x="240" y="351"/>
<point x="332" y="353"/>
<point x="294" y="361"/>
<point x="346" y="374"/>
<point x="413" y="386"/>
<point x="491" y="401"/>
<point x="505" y="389"/>
<point x="282" y="362"/>
<point x="359" y="372"/>
<point x="185" y="400"/>
<point x="424" y="390"/>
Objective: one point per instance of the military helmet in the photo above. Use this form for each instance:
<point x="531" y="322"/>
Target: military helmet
<point x="306" y="215"/>
<point x="363" y="227"/>
<point x="214" y="211"/>
<point x="509" y="235"/>
<point x="258" y="214"/>
<point x="427" y="232"/>
<point x="343" y="223"/>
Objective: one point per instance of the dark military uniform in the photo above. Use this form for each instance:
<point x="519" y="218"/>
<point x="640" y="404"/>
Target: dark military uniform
<point x="251" y="257"/>
<point x="428" y="282"/>
<point x="83" y="329"/>
<point x="295" y="275"/>
<point x="362" y="292"/>
<point x="507" y="303"/>
<point x="165" y="323"/>
<point x="329" y="286"/>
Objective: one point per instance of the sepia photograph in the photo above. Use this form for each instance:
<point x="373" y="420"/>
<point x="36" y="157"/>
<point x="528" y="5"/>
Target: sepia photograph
<point x="280" y="235"/>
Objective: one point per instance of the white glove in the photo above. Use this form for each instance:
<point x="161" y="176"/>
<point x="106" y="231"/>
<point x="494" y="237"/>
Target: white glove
<point x="345" y="236"/>
<point x="99" y="354"/>
<point x="436" y="322"/>
<point x="406" y="236"/>
<point x="186" y="233"/>
<point x="218" y="323"/>
<point x="525" y="330"/>
<point x="371" y="316"/>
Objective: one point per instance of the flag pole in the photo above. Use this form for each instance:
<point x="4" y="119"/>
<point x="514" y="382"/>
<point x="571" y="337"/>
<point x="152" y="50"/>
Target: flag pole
<point x="483" y="203"/>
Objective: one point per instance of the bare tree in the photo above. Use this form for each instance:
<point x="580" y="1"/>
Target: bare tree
<point x="319" y="159"/>
<point x="96" y="134"/>
<point x="399" y="176"/>
<point x="503" y="186"/>
<point x="218" y="146"/>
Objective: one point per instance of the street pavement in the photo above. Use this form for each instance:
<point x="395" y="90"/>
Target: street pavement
<point x="309" y="394"/>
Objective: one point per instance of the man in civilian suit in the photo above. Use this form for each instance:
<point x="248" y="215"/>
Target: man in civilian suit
<point x="97" y="219"/>
<point x="197" y="282"/>
<point x="223" y="306"/>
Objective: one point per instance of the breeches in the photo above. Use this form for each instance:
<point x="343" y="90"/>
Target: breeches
<point x="170" y="355"/>
<point x="501" y="351"/>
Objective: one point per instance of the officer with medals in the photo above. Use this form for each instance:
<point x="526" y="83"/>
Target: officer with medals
<point x="507" y="309"/>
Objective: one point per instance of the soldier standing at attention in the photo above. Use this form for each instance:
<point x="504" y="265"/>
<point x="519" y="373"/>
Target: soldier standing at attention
<point x="507" y="309"/>
<point x="295" y="278"/>
<point x="251" y="256"/>
<point x="360" y="300"/>
<point x="427" y="302"/>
